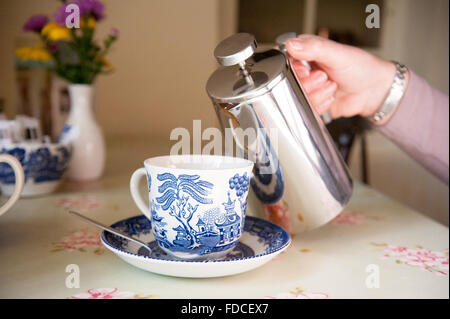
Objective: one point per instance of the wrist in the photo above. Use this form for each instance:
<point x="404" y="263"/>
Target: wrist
<point x="382" y="82"/>
<point x="389" y="115"/>
<point x="392" y="96"/>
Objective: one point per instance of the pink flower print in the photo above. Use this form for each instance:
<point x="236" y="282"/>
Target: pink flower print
<point x="312" y="295"/>
<point x="348" y="218"/>
<point x="278" y="213"/>
<point x="306" y="295"/>
<point x="414" y="260"/>
<point x="299" y="293"/>
<point x="111" y="293"/>
<point x="105" y="293"/>
<point x="398" y="250"/>
<point x="81" y="204"/>
<point x="80" y="240"/>
<point x="432" y="261"/>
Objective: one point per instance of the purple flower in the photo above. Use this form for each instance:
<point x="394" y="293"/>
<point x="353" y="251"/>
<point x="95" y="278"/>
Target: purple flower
<point x="61" y="15"/>
<point x="93" y="7"/>
<point x="114" y="32"/>
<point x="35" y="23"/>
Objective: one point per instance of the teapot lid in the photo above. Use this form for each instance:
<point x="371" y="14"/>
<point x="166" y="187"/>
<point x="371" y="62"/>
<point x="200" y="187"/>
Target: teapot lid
<point x="244" y="73"/>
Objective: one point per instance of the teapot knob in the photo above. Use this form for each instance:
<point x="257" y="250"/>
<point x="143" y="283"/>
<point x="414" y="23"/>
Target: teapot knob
<point x="235" y="49"/>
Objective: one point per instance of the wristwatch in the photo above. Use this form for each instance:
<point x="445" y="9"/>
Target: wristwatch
<point x="395" y="94"/>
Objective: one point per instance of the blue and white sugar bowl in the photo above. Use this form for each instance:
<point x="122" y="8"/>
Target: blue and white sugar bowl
<point x="44" y="165"/>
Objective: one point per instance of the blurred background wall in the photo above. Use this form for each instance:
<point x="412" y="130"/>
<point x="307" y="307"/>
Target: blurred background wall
<point x="162" y="60"/>
<point x="165" y="55"/>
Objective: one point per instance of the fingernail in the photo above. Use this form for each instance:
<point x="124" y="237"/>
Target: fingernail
<point x="296" y="44"/>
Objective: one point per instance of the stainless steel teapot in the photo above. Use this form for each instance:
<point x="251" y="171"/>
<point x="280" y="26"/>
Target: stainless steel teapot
<point x="300" y="179"/>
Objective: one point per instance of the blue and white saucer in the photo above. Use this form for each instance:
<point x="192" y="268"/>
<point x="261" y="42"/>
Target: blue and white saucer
<point x="260" y="242"/>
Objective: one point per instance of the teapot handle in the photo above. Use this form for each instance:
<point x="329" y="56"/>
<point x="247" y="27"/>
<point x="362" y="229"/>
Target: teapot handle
<point x="280" y="41"/>
<point x="19" y="178"/>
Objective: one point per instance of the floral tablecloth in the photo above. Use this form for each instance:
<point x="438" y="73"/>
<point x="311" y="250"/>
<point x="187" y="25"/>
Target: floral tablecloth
<point x="376" y="248"/>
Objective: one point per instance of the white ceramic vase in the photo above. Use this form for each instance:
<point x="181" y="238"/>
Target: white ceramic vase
<point x="85" y="135"/>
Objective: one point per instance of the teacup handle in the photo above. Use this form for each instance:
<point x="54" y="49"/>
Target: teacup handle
<point x="134" y="189"/>
<point x="19" y="177"/>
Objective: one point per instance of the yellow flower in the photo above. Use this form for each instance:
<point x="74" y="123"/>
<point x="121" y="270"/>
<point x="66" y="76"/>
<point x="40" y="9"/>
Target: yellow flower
<point x="37" y="53"/>
<point x="106" y="64"/>
<point x="59" y="34"/>
<point x="49" y="26"/>
<point x="23" y="53"/>
<point x="55" y="32"/>
<point x="91" y="23"/>
<point x="40" y="54"/>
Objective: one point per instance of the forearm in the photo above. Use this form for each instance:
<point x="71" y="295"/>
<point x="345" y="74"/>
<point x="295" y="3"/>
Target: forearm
<point x="420" y="126"/>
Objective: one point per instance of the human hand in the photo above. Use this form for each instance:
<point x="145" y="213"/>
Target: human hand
<point x="345" y="81"/>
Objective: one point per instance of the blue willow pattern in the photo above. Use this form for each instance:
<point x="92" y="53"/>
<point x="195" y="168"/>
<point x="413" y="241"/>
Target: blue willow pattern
<point x="181" y="197"/>
<point x="272" y="236"/>
<point x="39" y="165"/>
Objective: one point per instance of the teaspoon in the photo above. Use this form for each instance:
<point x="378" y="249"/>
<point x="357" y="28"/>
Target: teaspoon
<point x="111" y="230"/>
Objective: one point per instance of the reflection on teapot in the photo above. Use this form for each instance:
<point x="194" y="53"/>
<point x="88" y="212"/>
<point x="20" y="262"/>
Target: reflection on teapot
<point x="303" y="182"/>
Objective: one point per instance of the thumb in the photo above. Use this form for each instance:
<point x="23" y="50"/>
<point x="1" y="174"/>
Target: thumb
<point x="327" y="53"/>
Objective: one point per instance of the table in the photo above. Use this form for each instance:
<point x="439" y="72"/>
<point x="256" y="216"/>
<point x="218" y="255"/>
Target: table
<point x="376" y="248"/>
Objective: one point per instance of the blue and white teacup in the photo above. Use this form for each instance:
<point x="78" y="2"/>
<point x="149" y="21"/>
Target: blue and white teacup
<point x="197" y="202"/>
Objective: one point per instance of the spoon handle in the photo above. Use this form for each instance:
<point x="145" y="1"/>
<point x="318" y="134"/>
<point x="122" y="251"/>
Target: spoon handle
<point x="110" y="229"/>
